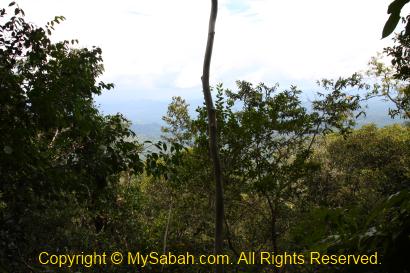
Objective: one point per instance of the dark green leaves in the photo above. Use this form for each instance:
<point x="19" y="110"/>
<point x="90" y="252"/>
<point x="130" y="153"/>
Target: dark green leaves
<point x="163" y="161"/>
<point x="394" y="10"/>
<point x="60" y="160"/>
<point x="390" y="25"/>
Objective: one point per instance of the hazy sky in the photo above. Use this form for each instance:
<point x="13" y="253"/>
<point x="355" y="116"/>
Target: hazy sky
<point x="154" y="49"/>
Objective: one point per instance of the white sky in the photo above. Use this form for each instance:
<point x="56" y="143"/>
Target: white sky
<point x="153" y="49"/>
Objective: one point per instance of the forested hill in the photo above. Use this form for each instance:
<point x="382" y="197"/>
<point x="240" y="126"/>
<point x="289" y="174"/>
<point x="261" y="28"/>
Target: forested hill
<point x="377" y="113"/>
<point x="148" y="131"/>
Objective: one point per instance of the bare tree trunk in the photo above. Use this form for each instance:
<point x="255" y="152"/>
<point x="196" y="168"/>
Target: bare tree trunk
<point x="274" y="237"/>
<point x="166" y="232"/>
<point x="213" y="144"/>
<point x="228" y="236"/>
<point x="273" y="212"/>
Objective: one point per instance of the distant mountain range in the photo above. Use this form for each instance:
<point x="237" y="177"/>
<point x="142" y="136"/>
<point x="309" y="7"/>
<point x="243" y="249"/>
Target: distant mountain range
<point x="149" y="131"/>
<point x="377" y="113"/>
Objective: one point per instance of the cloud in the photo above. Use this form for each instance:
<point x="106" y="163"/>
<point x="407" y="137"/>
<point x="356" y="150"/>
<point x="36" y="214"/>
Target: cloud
<point x="154" y="49"/>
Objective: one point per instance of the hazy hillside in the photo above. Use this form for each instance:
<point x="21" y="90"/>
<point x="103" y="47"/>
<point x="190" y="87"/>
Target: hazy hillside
<point x="147" y="131"/>
<point x="376" y="112"/>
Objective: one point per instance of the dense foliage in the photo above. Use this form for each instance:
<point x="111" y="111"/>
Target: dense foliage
<point x="65" y="169"/>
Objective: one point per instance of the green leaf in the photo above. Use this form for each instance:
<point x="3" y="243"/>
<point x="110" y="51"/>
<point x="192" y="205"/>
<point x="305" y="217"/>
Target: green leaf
<point x="396" y="6"/>
<point x="394" y="10"/>
<point x="390" y="24"/>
